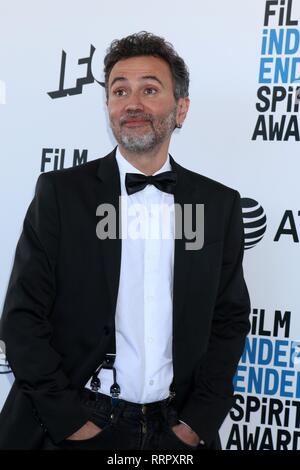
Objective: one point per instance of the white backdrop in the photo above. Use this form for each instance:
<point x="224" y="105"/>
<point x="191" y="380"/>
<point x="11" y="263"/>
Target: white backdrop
<point x="222" y="44"/>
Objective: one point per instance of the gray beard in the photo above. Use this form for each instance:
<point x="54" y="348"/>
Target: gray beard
<point x="144" y="143"/>
<point x="150" y="140"/>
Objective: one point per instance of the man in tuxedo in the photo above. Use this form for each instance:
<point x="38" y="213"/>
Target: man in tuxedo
<point x="165" y="322"/>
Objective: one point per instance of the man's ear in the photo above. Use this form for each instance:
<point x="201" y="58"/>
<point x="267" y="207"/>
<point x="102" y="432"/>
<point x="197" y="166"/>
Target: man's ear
<point x="182" y="110"/>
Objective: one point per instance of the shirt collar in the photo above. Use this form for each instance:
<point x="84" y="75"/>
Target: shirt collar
<point x="126" y="167"/>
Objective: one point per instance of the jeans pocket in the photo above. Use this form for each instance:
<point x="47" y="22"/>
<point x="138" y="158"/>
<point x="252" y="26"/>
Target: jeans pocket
<point x="180" y="444"/>
<point x="70" y="443"/>
<point x="169" y="439"/>
<point x="85" y="444"/>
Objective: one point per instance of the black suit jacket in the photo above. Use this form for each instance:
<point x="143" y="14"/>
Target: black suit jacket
<point x="59" y="310"/>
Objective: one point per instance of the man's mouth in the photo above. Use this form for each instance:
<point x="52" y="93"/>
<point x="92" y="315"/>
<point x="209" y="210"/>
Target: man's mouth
<point x="135" y="122"/>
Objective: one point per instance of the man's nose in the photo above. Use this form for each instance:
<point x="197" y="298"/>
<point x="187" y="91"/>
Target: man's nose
<point x="134" y="103"/>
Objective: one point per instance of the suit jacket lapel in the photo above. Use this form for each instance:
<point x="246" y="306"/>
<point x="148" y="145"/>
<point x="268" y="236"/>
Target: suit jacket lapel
<point x="184" y="194"/>
<point x="109" y="192"/>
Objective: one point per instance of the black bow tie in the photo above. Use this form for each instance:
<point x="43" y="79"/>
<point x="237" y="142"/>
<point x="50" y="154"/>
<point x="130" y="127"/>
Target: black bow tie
<point x="165" y="181"/>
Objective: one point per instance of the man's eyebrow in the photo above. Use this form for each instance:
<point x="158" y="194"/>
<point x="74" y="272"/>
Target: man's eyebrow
<point x="146" y="77"/>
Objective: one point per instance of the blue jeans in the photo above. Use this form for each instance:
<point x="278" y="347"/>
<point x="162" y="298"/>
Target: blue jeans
<point x="128" y="426"/>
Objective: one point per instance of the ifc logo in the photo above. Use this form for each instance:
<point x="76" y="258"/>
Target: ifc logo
<point x="255" y="222"/>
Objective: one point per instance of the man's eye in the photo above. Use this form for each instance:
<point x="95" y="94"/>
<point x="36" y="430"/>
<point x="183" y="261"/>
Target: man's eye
<point x="119" y="92"/>
<point x="150" y="91"/>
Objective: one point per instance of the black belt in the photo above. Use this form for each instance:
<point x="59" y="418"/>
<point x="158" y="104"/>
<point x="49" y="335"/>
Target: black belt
<point x="125" y="404"/>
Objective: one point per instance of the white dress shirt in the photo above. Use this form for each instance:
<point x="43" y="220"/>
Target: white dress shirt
<point x="144" y="317"/>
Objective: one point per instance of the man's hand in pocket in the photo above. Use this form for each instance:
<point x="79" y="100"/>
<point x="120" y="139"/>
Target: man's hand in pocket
<point x="186" y="435"/>
<point x="87" y="431"/>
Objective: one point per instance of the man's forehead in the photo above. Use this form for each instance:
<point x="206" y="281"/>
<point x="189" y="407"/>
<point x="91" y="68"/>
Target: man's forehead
<point x="139" y="67"/>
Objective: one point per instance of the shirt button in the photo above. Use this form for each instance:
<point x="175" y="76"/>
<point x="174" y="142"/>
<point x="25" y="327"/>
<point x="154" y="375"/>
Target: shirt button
<point x="151" y="382"/>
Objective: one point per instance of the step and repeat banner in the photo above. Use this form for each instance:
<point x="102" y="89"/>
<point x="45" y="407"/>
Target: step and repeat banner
<point x="242" y="130"/>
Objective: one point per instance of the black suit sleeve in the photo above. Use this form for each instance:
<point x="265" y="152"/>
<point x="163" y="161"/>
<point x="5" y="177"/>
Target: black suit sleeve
<point x="25" y="326"/>
<point x="212" y="396"/>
